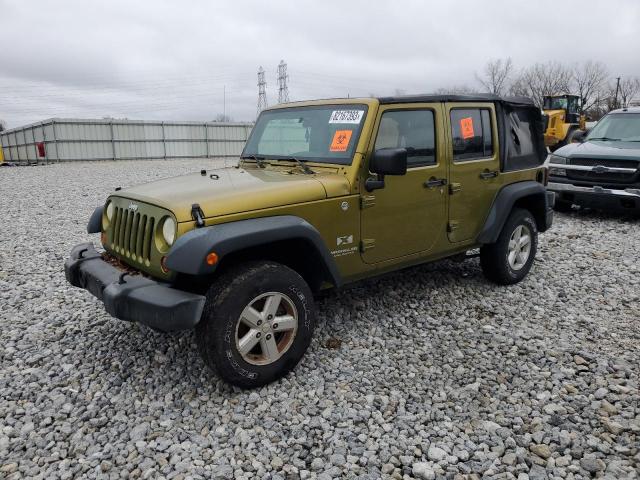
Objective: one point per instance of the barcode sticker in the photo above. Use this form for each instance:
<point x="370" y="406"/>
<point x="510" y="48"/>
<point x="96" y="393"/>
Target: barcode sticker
<point x="346" y="116"/>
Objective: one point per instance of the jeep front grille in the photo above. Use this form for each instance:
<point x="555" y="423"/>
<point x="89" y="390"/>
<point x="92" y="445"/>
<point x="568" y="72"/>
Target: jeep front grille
<point x="132" y="234"/>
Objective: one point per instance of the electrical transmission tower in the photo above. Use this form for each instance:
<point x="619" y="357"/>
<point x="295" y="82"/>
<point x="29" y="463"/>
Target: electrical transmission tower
<point x="283" y="89"/>
<point x="262" y="91"/>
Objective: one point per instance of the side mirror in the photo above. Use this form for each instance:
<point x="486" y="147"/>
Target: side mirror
<point x="389" y="161"/>
<point x="386" y="161"/>
<point x="579" y="137"/>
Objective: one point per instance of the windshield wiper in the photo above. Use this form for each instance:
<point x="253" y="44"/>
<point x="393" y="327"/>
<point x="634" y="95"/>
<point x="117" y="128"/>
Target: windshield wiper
<point x="305" y="168"/>
<point x="604" y="139"/>
<point x="258" y="160"/>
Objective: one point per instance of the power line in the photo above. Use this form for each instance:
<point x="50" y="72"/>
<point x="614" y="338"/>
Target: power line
<point x="283" y="89"/>
<point x="262" y="91"/>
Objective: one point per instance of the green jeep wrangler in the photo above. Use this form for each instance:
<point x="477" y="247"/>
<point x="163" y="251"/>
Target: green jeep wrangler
<point x="326" y="193"/>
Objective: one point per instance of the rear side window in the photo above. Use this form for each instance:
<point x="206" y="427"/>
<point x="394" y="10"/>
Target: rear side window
<point x="410" y="129"/>
<point x="471" y="132"/>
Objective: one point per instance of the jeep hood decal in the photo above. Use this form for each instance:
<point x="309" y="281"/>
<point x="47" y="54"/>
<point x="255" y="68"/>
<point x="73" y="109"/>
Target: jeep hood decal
<point x="234" y="190"/>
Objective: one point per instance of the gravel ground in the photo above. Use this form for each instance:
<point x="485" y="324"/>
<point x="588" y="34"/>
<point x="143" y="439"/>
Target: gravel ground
<point x="426" y="373"/>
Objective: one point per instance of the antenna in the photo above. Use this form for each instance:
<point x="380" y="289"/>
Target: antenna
<point x="262" y="91"/>
<point x="283" y="89"/>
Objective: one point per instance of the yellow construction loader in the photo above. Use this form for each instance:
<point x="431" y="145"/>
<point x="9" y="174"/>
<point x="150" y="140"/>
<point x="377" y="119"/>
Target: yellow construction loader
<point x="563" y="120"/>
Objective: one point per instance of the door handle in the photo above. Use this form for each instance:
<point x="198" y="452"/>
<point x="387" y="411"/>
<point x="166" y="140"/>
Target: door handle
<point x="486" y="175"/>
<point x="434" y="182"/>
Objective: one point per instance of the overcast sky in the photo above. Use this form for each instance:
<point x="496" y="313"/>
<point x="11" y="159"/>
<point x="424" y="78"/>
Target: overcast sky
<point x="151" y="59"/>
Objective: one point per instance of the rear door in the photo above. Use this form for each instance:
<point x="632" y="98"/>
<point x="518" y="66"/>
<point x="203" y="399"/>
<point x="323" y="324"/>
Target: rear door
<point x="474" y="168"/>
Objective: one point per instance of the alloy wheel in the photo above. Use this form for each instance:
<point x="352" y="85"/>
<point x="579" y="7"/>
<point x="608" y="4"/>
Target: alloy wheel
<point x="519" y="247"/>
<point x="266" y="328"/>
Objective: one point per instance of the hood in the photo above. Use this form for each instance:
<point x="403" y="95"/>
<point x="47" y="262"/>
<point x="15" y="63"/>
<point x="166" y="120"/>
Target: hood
<point x="237" y="190"/>
<point x="600" y="149"/>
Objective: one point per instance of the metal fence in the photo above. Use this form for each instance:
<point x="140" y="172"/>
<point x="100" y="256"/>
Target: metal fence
<point x="65" y="140"/>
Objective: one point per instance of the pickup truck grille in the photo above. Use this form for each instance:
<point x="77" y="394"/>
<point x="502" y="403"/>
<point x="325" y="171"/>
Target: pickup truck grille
<point x="603" y="177"/>
<point x="132" y="234"/>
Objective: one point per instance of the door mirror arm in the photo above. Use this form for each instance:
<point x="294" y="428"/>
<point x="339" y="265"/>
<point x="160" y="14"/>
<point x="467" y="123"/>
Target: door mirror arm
<point x="372" y="184"/>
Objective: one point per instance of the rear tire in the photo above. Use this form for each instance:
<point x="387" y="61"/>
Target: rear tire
<point x="509" y="259"/>
<point x="257" y="323"/>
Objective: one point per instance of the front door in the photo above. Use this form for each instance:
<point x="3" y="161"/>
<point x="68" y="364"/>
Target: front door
<point x="408" y="215"/>
<point x="475" y="168"/>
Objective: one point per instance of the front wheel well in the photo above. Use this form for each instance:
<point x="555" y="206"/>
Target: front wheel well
<point x="298" y="254"/>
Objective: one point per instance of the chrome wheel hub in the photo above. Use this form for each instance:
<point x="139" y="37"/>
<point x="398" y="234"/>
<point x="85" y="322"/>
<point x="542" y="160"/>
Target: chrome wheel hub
<point x="266" y="328"/>
<point x="519" y="247"/>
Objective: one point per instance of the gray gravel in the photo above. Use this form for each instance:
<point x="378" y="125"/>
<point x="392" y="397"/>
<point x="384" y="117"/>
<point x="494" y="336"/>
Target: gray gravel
<point x="427" y="373"/>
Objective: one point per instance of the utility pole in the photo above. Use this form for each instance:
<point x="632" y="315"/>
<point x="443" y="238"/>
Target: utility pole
<point x="262" y="91"/>
<point x="283" y="89"/>
<point x="224" y="103"/>
<point x="615" y="100"/>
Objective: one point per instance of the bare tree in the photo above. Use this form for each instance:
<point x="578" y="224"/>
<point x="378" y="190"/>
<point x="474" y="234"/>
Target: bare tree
<point x="3" y="125"/>
<point x="495" y="76"/>
<point x="221" y="117"/>
<point x="540" y="79"/>
<point x="628" y="91"/>
<point x="589" y="82"/>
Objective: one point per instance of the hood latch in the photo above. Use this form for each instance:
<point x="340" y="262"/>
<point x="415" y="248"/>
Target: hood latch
<point x="197" y="214"/>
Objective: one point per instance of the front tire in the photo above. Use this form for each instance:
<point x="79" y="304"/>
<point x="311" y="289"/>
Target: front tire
<point x="257" y="323"/>
<point x="509" y="259"/>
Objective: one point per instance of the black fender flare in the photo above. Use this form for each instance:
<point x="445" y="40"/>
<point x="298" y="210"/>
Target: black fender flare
<point x="504" y="203"/>
<point x="95" y="221"/>
<point x="189" y="252"/>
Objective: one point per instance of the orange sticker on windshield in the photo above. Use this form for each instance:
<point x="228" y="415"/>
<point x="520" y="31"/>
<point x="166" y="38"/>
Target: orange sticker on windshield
<point x="340" y="141"/>
<point x="466" y="127"/>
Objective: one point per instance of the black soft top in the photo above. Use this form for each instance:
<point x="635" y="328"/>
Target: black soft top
<point x="476" y="97"/>
<point x="520" y="125"/>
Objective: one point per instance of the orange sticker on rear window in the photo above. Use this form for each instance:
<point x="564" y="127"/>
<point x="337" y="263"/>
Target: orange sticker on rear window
<point x="340" y="141"/>
<point x="466" y="127"/>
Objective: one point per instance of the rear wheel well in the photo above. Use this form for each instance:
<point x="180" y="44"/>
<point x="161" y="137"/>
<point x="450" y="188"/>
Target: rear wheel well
<point x="536" y="204"/>
<point x="298" y="254"/>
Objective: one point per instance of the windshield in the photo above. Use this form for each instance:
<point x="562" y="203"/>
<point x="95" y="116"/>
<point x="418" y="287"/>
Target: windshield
<point x="325" y="133"/>
<point x="617" y="126"/>
<point x="555" y="103"/>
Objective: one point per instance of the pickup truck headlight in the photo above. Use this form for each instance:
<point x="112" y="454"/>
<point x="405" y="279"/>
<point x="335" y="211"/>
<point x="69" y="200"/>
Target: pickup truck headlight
<point x="557" y="160"/>
<point x="169" y="230"/>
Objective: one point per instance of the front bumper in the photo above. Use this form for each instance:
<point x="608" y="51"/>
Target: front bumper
<point x="596" y="196"/>
<point x="133" y="298"/>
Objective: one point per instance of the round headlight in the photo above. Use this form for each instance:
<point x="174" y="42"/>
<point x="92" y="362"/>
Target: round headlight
<point x="109" y="211"/>
<point x="169" y="230"/>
